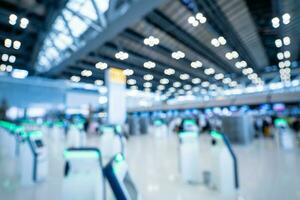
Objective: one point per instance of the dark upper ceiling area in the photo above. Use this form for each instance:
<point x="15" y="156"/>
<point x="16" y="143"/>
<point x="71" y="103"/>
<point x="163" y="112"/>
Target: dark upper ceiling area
<point x="246" y="25"/>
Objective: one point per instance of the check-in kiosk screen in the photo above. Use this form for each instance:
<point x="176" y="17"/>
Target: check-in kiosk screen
<point x="39" y="143"/>
<point x="130" y="187"/>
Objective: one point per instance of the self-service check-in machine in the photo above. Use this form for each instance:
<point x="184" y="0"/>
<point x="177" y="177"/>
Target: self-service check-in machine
<point x="189" y="152"/>
<point x="117" y="174"/>
<point x="224" y="172"/>
<point x="76" y="137"/>
<point x="284" y="136"/>
<point x="159" y="128"/>
<point x="34" y="158"/>
<point x="112" y="141"/>
<point x="57" y="131"/>
<point x="9" y="142"/>
<point x="83" y="176"/>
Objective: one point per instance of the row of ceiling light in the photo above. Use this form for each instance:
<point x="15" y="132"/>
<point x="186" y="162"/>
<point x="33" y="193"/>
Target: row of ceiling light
<point x="15" y="44"/>
<point x="283" y="56"/>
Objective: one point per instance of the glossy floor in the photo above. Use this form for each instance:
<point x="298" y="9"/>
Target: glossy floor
<point x="266" y="172"/>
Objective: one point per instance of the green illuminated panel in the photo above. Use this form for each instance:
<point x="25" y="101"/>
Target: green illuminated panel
<point x="280" y="122"/>
<point x="216" y="135"/>
<point x="189" y="122"/>
<point x="190" y="133"/>
<point x="158" y="122"/>
<point x="107" y="129"/>
<point x="69" y="154"/>
<point x="58" y="124"/>
<point x="119" y="128"/>
<point x="119" y="159"/>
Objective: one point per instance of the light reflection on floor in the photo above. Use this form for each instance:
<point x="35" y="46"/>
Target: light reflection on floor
<point x="266" y="172"/>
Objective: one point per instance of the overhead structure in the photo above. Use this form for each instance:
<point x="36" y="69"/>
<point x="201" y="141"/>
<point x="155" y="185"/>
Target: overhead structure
<point x="170" y="47"/>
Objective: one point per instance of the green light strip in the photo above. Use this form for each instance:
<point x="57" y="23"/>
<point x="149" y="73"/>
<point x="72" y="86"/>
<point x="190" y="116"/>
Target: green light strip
<point x="189" y="122"/>
<point x="216" y="135"/>
<point x="188" y="133"/>
<point x="69" y="154"/>
<point x="280" y="122"/>
<point x="119" y="158"/>
<point x="158" y="122"/>
<point x="107" y="129"/>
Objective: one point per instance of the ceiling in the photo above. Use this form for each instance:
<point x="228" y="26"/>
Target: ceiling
<point x="246" y="25"/>
<point x="40" y="14"/>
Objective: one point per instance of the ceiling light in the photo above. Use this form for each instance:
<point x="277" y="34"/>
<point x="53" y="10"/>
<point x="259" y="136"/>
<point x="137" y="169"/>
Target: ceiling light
<point x="275" y="22"/>
<point x="164" y="81"/>
<point x="287" y="54"/>
<point x="181" y="91"/>
<point x="148" y="77"/>
<point x="7" y="42"/>
<point x="233" y="84"/>
<point x="184" y="76"/>
<point x="9" y="68"/>
<point x="24" y="22"/>
<point x="219" y="76"/>
<point x="229" y="56"/>
<point x="102" y="100"/>
<point x="252" y="76"/>
<point x="2" y="67"/>
<point x="161" y="87"/>
<point x="171" y="89"/>
<point x="86" y="73"/>
<point x="280" y="56"/>
<point x="12" y="19"/>
<point x="131" y="82"/>
<point x="278" y="43"/>
<point x="196" y="89"/>
<point x="121" y="55"/>
<point x="215" y="42"/>
<point x="169" y="71"/>
<point x="234" y="54"/>
<point x="209" y="71"/>
<point x="195" y="23"/>
<point x="147" y="84"/>
<point x="102" y="90"/>
<point x="12" y="59"/>
<point x="287" y="63"/>
<point x="149" y="65"/>
<point x="191" y="19"/>
<point x="187" y="87"/>
<point x="247" y="71"/>
<point x="286" y="18"/>
<point x="205" y="84"/>
<point x="213" y="87"/>
<point x="128" y="72"/>
<point x="134" y="87"/>
<point x="101" y="65"/>
<point x="226" y="80"/>
<point x="4" y="57"/>
<point x="222" y="40"/>
<point x="151" y="41"/>
<point x="286" y="40"/>
<point x="98" y="82"/>
<point x="196" y="80"/>
<point x="281" y="64"/>
<point x="196" y="64"/>
<point x="243" y="64"/>
<point x="178" y="55"/>
<point x="176" y="84"/>
<point x="200" y="17"/>
<point x="75" y="79"/>
<point x="16" y="44"/>
<point x="19" y="73"/>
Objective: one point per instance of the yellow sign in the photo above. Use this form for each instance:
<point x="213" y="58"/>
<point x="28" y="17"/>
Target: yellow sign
<point x="117" y="76"/>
